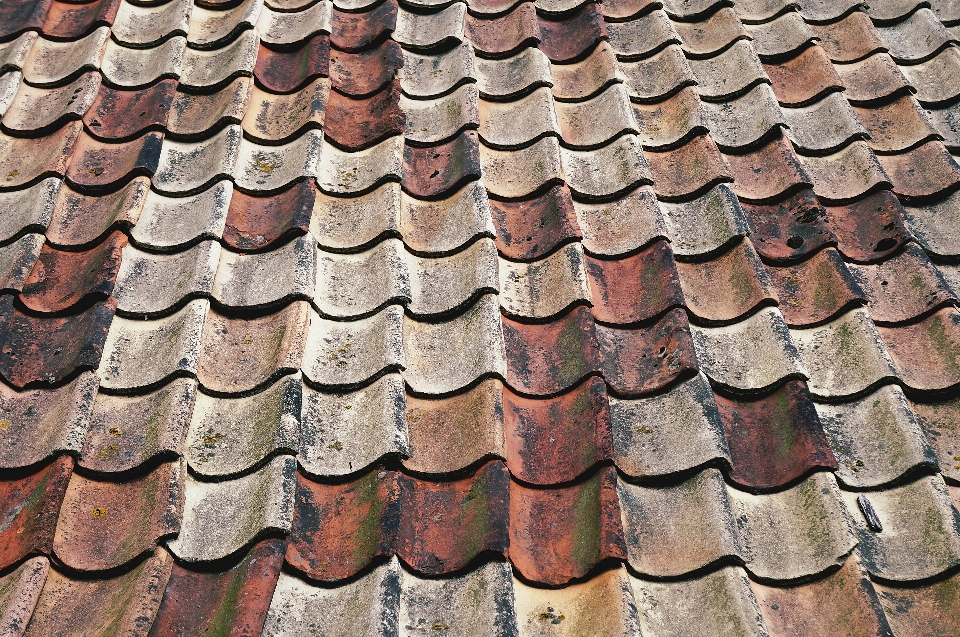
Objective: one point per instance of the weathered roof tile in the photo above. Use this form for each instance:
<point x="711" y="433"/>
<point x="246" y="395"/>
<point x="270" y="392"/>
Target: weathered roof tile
<point x="17" y="261"/>
<point x="143" y="353"/>
<point x="635" y="288"/>
<point x="872" y="79"/>
<point x="815" y="290"/>
<point x="826" y="125"/>
<point x="926" y="352"/>
<point x="150" y="283"/>
<point x="603" y="173"/>
<point x="642" y="37"/>
<point x="500" y="121"/>
<point x="729" y="74"/>
<point x="270" y="168"/>
<point x="213" y="28"/>
<point x="193" y="114"/>
<point x="67" y="20"/>
<point x="23" y="16"/>
<point x="139" y="68"/>
<point x="657" y="77"/>
<point x="212" y="69"/>
<point x="343" y="173"/>
<point x="609" y="114"/>
<point x="357" y="123"/>
<point x="939" y="421"/>
<point x="780" y="37"/>
<point x="355" y="285"/>
<point x="532" y="228"/>
<point x="21" y="590"/>
<point x="151" y="106"/>
<point x="705" y="225"/>
<point x="847" y="174"/>
<point x="935" y="79"/>
<point x="169" y="222"/>
<point x="50" y="63"/>
<point x="544" y="288"/>
<point x="505" y="35"/>
<point x="101" y="166"/>
<point x="142" y="26"/>
<point x="23" y="161"/>
<point x="871" y="228"/>
<point x="220" y="518"/>
<point x="745" y="121"/>
<point x="805" y="78"/>
<point x="105" y="524"/>
<point x="28" y="210"/>
<point x="187" y="168"/>
<point x="850" y="39"/>
<point x="36" y="110"/>
<point x="567" y="38"/>
<point x="518" y="174"/>
<point x="431" y="121"/>
<point x="254" y="222"/>
<point x="432" y="75"/>
<point x="425" y="31"/>
<point x="924" y="172"/>
<point x="31" y="503"/>
<point x="709" y="36"/>
<point x="767" y="173"/>
<point x="274" y="118"/>
<point x="915" y="609"/>
<point x="916" y="38"/>
<point x="291" y="27"/>
<point x="623" y="225"/>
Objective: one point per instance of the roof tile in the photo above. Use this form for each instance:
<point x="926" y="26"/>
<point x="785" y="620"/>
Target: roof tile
<point x="442" y="285"/>
<point x="575" y="528"/>
<point x="532" y="228"/>
<point x="921" y="531"/>
<point x="876" y="439"/>
<point x="872" y="79"/>
<point x="816" y="290"/>
<point x="436" y="30"/>
<point x="844" y="357"/>
<point x="35" y="110"/>
<point x="925" y="171"/>
<point x="354" y="123"/>
<point x="918" y="609"/>
<point x="338" y="529"/>
<point x="343" y="173"/>
<point x="23" y="161"/>
<point x="135" y="68"/>
<point x="187" y="168"/>
<point x="507" y="34"/>
<point x="916" y="38"/>
<point x="745" y="121"/>
<point x="193" y="114"/>
<point x="544" y="288"/>
<point x="343" y="433"/>
<point x="609" y="114"/>
<point x="847" y="174"/>
<point x="241" y="354"/>
<point x="623" y="225"/>
<point x="140" y="25"/>
<point x="9" y="82"/>
<point x="805" y="78"/>
<point x="940" y="421"/>
<point x="500" y="122"/>
<point x="825" y="126"/>
<point x="645" y="360"/>
<point x="229" y="436"/>
<point x="350" y="354"/>
<point x="518" y="174"/>
<point x="197" y="600"/>
<point x="42" y="350"/>
<point x="66" y="20"/>
<point x="355" y="31"/>
<point x="430" y="75"/>
<point x="511" y="78"/>
<point x="935" y="80"/>
<point x="657" y="77"/>
<point x="926" y="353"/>
<point x="892" y="10"/>
<point x="285" y="28"/>
<point x="850" y="39"/>
<point x="97" y="165"/>
<point x="44" y="422"/>
<point x="568" y="38"/>
<point x="727" y="287"/>
<point x="221" y="518"/>
<point x="751" y="356"/>
<point x="729" y="74"/>
<point x="17" y="261"/>
<point x="827" y="10"/>
<point x="767" y="173"/>
<point x="143" y="353"/>
<point x="705" y="225"/>
<point x="432" y="121"/>
<point x="871" y="228"/>
<point x="620" y="9"/>
<point x="23" y="16"/>
<point x="61" y="280"/>
<point x="709" y="36"/>
<point x="669" y="432"/>
<point x="271" y="168"/>
<point x="932" y="224"/>
<point x="776" y="439"/>
<point x="50" y="63"/>
<point x="90" y="605"/>
<point x="213" y="28"/>
<point x="214" y="69"/>
<point x="609" y="171"/>
<point x="355" y="285"/>
<point x="254" y="223"/>
<point x="13" y="54"/>
<point x="169" y="222"/>
<point x="274" y="118"/>
<point x="896" y="126"/>
<point x="635" y="288"/>
<point x="364" y="73"/>
<point x="151" y="105"/>
<point x="946" y="123"/>
<point x="32" y="503"/>
<point x="781" y="36"/>
<point x="127" y="432"/>
<point x="21" y="590"/>
<point x="105" y="524"/>
<point x="643" y="36"/>
<point x="34" y="208"/>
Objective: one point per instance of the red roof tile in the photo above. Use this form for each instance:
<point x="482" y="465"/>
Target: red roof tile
<point x="356" y="31"/>
<point x="436" y="171"/>
<point x="31" y="504"/>
<point x="144" y="109"/>
<point x="68" y="20"/>
<point x="285" y="72"/>
<point x="357" y="123"/>
<point x="635" y="288"/>
<point x="568" y="38"/>
<point x="254" y="223"/>
<point x="364" y="73"/>
<point x="531" y="228"/>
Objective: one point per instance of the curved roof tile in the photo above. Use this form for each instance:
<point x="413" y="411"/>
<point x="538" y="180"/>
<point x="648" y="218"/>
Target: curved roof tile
<point x="745" y="121"/>
<point x="345" y="173"/>
<point x="355" y="285"/>
<point x="926" y="171"/>
<point x="688" y="171"/>
<point x="32" y="503"/>
<point x="635" y="288"/>
<point x="708" y="37"/>
<point x="187" y="168"/>
<point x="69" y="21"/>
<point x="657" y="77"/>
<point x="642" y="37"/>
<point x="510" y="125"/>
<point x="932" y="224"/>
<point x="212" y="69"/>
<point x="442" y="285"/>
<point x="29" y="209"/>
<point x="284" y="28"/>
<point x="825" y="126"/>
<point x="50" y="63"/>
<point x="587" y="77"/>
<point x="356" y="352"/>
<point x="263" y="168"/>
<point x="436" y="30"/>
<point x="514" y="77"/>
<point x="791" y="228"/>
<point x="850" y="39"/>
<point x="13" y="54"/>
<point x="105" y="524"/>
<point x="133" y="68"/>
<point x="257" y="222"/>
<point x="816" y="290"/>
<point x="608" y="171"/>
<point x="567" y="38"/>
<point x="275" y="118"/>
<point x="356" y="123"/>
<point x="506" y="34"/>
<point x="142" y="26"/>
<point x="729" y="74"/>
<point x="781" y="36"/>
<point x="18" y="259"/>
<point x="896" y="126"/>
<point x="432" y="121"/>
<point x="672" y="122"/>
<point x="532" y="228"/>
<point x="193" y="114"/>
<point x="544" y="288"/>
<point x="430" y="76"/>
<point x="929" y="607"/>
<point x="827" y="10"/>
<point x="705" y="225"/>
<point x="354" y="31"/>
<point x="149" y="283"/>
<point x="806" y="78"/>
<point x="623" y="225"/>
<point x="98" y="165"/>
<point x="609" y="113"/>
<point x="872" y="79"/>
<point x="24" y="160"/>
<point x="210" y="29"/>
<point x="151" y="105"/>
<point x="34" y="110"/>
<point x="936" y="79"/>
<point x="916" y="38"/>
<point x="517" y="174"/>
<point x="926" y="353"/>
<point x="24" y="16"/>
<point x="169" y="222"/>
<point x="348" y="224"/>
<point x="847" y="174"/>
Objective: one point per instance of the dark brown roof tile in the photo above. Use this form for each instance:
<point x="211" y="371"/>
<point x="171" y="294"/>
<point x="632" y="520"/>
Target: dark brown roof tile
<point x="285" y="72"/>
<point x="357" y="123"/>
<point x="18" y="17"/>
<point x="647" y="359"/>
<point x="80" y="219"/>
<point x="98" y="165"/>
<point x="554" y="440"/>
<point x="435" y="171"/>
<point x="356" y="31"/>
<point x="635" y="288"/>
<point x="850" y="39"/>
<point x="364" y="73"/>
<point x="232" y="602"/>
<point x="804" y="78"/>
<point x="816" y="289"/>
<point x="61" y="280"/>
<point x="767" y="174"/>
<point x="870" y="228"/>
<point x="531" y="228"/>
<point x="68" y="20"/>
<point x="254" y="223"/>
<point x="708" y="37"/>
<point x="105" y="524"/>
<point x="31" y="504"/>
<point x="570" y="37"/>
<point x="897" y="125"/>
<point x="505" y="35"/>
<point x="47" y="350"/>
<point x="776" y="439"/>
<point x="872" y="79"/>
<point x="193" y="115"/>
<point x="927" y="353"/>
<point x="117" y="114"/>
<point x="689" y="170"/>
<point x="926" y="171"/>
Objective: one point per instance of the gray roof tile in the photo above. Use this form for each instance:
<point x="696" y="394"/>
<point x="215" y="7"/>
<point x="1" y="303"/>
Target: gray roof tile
<point x="653" y="78"/>
<point x="150" y="283"/>
<point x="345" y="173"/>
<point x="946" y="122"/>
<point x="341" y="433"/>
<point x="846" y="174"/>
<point x="141" y="353"/>
<point x="621" y="226"/>
<point x="444" y="284"/>
<point x="220" y="518"/>
<point x="744" y="121"/>
<point x="347" y="223"/>
<point x="188" y="167"/>
<point x="17" y="260"/>
<point x="285" y="27"/>
<point x="824" y="126"/>
<point x="513" y="76"/>
<point x="212" y="28"/>
<point x="129" y="67"/>
<point x="546" y="287"/>
<point x="596" y="121"/>
<point x="610" y="170"/>
<point x="21" y="590"/>
<point x="228" y="436"/>
<point x="34" y="109"/>
<point x="934" y="225"/>
<point x="916" y="38"/>
<point x="23" y="160"/>
<point x="515" y="124"/>
<point x="826" y="10"/>
<point x="171" y="222"/>
<point x="780" y="36"/>
<point x="937" y="79"/>
<point x="28" y="209"/>
<point x="729" y="73"/>
<point x="354" y="285"/>
<point x="514" y="174"/>
<point x="706" y="224"/>
<point x="80" y="219"/>
<point x="9" y="83"/>
<point x="139" y="25"/>
<point x="643" y="36"/>
<point x="422" y="31"/>
<point x="941" y="424"/>
<point x="873" y="78"/>
<point x="255" y="280"/>
<point x="432" y="121"/>
<point x="447" y="224"/>
<point x="586" y="77"/>
<point x="270" y="168"/>
<point x="193" y="114"/>
<point x="51" y="62"/>
<point x="709" y="36"/>
<point x="13" y="54"/>
<point x="433" y="75"/>
<point x="202" y="69"/>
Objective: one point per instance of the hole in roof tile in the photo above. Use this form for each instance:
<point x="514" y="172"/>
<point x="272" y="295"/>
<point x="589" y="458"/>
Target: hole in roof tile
<point x="795" y="241"/>
<point x="885" y="244"/>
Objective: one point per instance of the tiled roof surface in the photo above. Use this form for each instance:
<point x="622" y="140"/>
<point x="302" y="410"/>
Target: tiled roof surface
<point x="547" y="318"/>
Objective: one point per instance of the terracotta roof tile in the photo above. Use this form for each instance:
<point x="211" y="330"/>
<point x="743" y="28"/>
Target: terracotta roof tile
<point x="608" y="172"/>
<point x="935" y="79"/>
<point x="531" y="228"/>
<point x="705" y="225"/>
<point x="544" y="288"/>
<point x="37" y="110"/>
<point x="610" y="115"/>
<point x="944" y="122"/>
<point x="17" y="261"/>
<point x="710" y="36"/>
<point x="782" y="36"/>
<point x="61" y="280"/>
<point x="187" y="168"/>
<point x="871" y="228"/>
<point x="230" y="436"/>
<point x="47" y="350"/>
<point x="344" y="173"/>
<point x="79" y="219"/>
<point x="768" y="173"/>
<point x="805" y="78"/>
<point x="657" y="77"/>
<point x="50" y="63"/>
<point x="355" y="124"/>
<point x="139" y="68"/>
<point x="635" y="288"/>
<point x="931" y="608"/>
<point x="729" y="74"/>
<point x="23" y="161"/>
<point x="924" y="172"/>
<point x="258" y="349"/>
<point x="746" y="121"/>
<point x="642" y="37"/>
<point x="914" y="346"/>
<point x="507" y="34"/>
<point x="120" y="603"/>
<point x="689" y="170"/>
<point x="872" y="79"/>
<point x="105" y="524"/>
<point x="140" y="25"/>
<point x="264" y="169"/>
<point x="214" y="69"/>
<point x="25" y="16"/>
<point x="850" y="39"/>
<point x="606" y="231"/>
<point x="98" y="165"/>
<point x="195" y="600"/>
<point x="285" y="28"/>
<point x="139" y="354"/>
<point x="32" y="503"/>
<point x="169" y="222"/>
<point x="917" y="38"/>
<point x="670" y="432"/>
<point x="892" y="10"/>
<point x="568" y="38"/>
<point x="210" y="29"/>
<point x="896" y="126"/>
<point x="221" y="518"/>
<point x="499" y="129"/>
<point x="345" y="432"/>
<point x="151" y="106"/>
<point x="826" y="126"/>
<point x="816" y="290"/>
<point x="254" y="223"/>
<point x="195" y="114"/>
<point x="68" y="21"/>
<point x="429" y="31"/>
<point x="845" y="357"/>
<point x="127" y="432"/>
<point x="355" y="31"/>
<point x="727" y="287"/>
<point x="882" y="418"/>
<point x="939" y="423"/>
